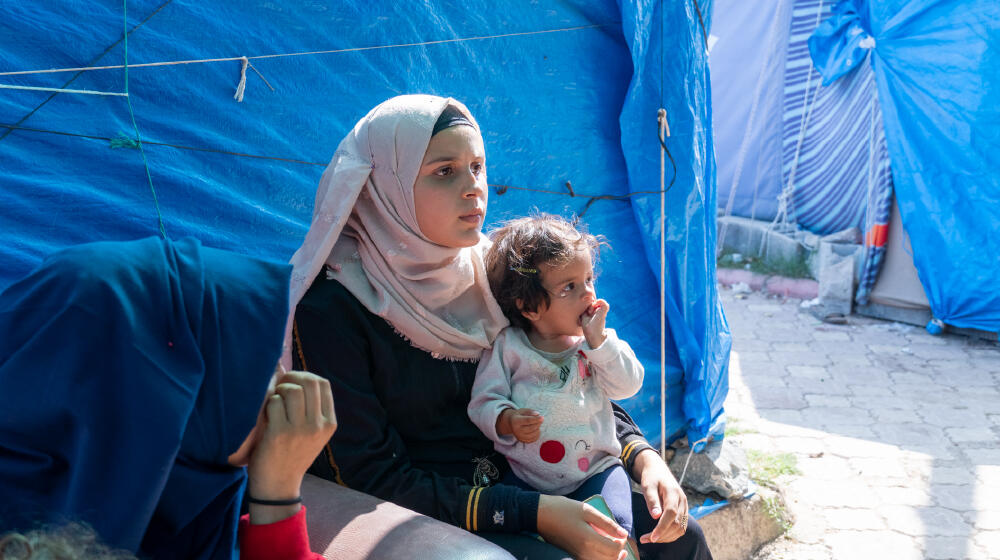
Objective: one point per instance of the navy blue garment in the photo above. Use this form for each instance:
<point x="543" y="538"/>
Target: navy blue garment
<point x="130" y="371"/>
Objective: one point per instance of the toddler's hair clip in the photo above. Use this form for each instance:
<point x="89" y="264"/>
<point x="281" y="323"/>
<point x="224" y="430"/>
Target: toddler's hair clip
<point x="523" y="270"/>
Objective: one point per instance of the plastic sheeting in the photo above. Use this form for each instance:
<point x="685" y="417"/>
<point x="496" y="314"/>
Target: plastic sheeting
<point x="936" y="69"/>
<point x="670" y="57"/>
<point x="547" y="82"/>
<point x="748" y="68"/>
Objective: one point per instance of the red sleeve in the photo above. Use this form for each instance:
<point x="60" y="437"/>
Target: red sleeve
<point x="287" y="539"/>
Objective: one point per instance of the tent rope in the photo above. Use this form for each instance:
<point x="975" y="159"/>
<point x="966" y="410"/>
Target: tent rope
<point x="785" y="216"/>
<point x="687" y="462"/>
<point x="663" y="133"/>
<point x="63" y="90"/>
<point x="135" y="127"/>
<point x="308" y="53"/>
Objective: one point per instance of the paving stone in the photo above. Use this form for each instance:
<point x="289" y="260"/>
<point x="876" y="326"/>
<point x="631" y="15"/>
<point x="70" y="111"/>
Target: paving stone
<point x="873" y="545"/>
<point x="791" y="347"/>
<point x="809" y="372"/>
<point x="834" y="335"/>
<point x="905" y="377"/>
<point x="910" y="434"/>
<point x="853" y="447"/>
<point x="857" y="431"/>
<point x="980" y="435"/>
<point x="951" y="416"/>
<point x="918" y="521"/>
<point x="854" y="519"/>
<point x="816" y="386"/>
<point x="945" y="548"/>
<point x="767" y="380"/>
<point x="922" y="393"/>
<point x="958" y="498"/>
<point x="825" y="467"/>
<point x="937" y="352"/>
<point x="903" y="496"/>
<point x="952" y="475"/>
<point x="784" y="416"/>
<point x="779" y="398"/>
<point x="835" y="493"/>
<point x="989" y="540"/>
<point x="893" y="415"/>
<point x="965" y="376"/>
<point x="785" y="335"/>
<point x="764" y="307"/>
<point x="748" y="357"/>
<point x="828" y="401"/>
<point x="943" y="522"/>
<point x="882" y="401"/>
<point x="800" y="445"/>
<point x="757" y="442"/>
<point x="743" y="344"/>
<point x="824" y="416"/>
<point x="887" y="349"/>
<point x="987" y="520"/>
<point x="798" y="358"/>
<point x="867" y="467"/>
<point x="839" y="348"/>
<point x="988" y="475"/>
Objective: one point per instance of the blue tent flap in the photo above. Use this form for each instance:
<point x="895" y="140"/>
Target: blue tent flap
<point x="936" y="71"/>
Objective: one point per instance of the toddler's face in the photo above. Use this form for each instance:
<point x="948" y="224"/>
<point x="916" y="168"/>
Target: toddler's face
<point x="571" y="294"/>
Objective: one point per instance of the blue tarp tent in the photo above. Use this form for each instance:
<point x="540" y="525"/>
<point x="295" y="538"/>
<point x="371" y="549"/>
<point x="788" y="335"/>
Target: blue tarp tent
<point x="906" y="84"/>
<point x="566" y="92"/>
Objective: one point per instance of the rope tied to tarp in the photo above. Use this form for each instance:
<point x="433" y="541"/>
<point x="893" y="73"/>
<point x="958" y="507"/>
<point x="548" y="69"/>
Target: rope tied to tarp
<point x="242" y="86"/>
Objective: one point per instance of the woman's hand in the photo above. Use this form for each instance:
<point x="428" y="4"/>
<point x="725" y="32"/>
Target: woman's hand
<point x="665" y="499"/>
<point x="298" y="420"/>
<point x="579" y="529"/>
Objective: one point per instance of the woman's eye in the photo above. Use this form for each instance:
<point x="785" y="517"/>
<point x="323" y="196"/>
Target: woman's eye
<point x="444" y="171"/>
<point x="477" y="168"/>
<point x="569" y="287"/>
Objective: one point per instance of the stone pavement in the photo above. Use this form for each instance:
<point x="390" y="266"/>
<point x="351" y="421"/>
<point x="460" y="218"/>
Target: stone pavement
<point x="895" y="431"/>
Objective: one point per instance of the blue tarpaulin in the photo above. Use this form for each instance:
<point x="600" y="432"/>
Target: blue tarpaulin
<point x="564" y="91"/>
<point x="936" y="67"/>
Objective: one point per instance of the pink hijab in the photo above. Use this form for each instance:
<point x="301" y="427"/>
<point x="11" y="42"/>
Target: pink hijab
<point x="364" y="227"/>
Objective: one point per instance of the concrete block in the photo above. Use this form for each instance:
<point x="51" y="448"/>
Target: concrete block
<point x="738" y="530"/>
<point x="720" y="468"/>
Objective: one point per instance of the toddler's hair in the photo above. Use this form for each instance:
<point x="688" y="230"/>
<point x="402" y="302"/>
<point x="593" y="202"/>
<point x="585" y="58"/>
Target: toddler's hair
<point x="519" y="247"/>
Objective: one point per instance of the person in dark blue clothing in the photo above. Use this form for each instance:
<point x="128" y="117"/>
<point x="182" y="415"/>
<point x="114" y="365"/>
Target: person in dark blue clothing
<point x="133" y="376"/>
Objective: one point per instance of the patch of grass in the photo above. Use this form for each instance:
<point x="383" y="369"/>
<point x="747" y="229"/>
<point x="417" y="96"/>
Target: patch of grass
<point x="733" y="428"/>
<point x="789" y="268"/>
<point x="776" y="511"/>
<point x="765" y="467"/>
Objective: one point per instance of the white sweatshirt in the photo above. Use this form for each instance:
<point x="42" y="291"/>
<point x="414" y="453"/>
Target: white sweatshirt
<point x="571" y="390"/>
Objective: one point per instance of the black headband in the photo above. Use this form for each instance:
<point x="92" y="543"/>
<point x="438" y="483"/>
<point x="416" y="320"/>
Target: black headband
<point x="451" y="116"/>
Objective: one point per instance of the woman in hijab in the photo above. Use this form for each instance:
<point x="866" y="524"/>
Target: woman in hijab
<point x="133" y="375"/>
<point x="394" y="308"/>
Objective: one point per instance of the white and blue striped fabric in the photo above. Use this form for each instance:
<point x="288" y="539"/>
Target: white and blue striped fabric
<point x="834" y="156"/>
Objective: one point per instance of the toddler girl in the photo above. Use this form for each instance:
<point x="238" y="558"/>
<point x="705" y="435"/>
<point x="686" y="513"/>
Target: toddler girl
<point x="542" y="392"/>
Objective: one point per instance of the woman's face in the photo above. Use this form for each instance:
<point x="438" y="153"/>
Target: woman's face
<point x="450" y="192"/>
